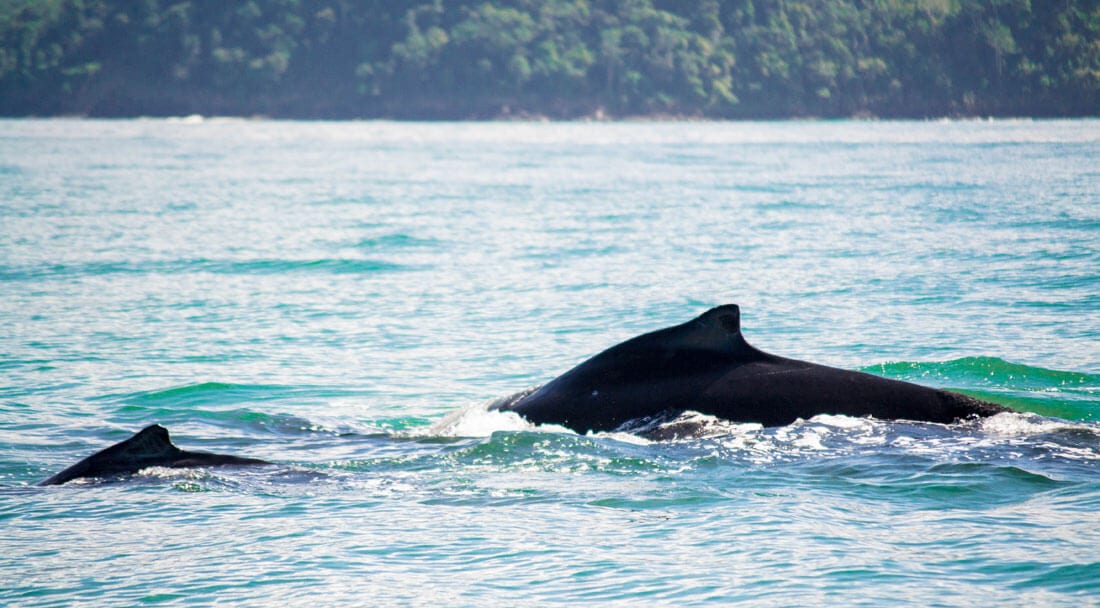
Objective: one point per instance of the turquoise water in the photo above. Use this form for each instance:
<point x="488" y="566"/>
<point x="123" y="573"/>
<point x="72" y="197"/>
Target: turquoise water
<point x="345" y="298"/>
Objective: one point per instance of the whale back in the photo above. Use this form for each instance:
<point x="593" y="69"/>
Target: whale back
<point x="706" y="365"/>
<point x="147" y="448"/>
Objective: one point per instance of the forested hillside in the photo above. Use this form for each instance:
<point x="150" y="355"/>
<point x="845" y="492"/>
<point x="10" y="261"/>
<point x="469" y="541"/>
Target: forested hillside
<point x="557" y="58"/>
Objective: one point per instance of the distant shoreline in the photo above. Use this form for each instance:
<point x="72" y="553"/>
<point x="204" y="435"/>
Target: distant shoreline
<point x="562" y="60"/>
<point x="536" y="119"/>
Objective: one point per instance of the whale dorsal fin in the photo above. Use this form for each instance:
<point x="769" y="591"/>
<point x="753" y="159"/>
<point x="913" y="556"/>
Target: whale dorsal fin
<point x="725" y="319"/>
<point x="151" y="442"/>
<point x="148" y="447"/>
<point x="717" y="330"/>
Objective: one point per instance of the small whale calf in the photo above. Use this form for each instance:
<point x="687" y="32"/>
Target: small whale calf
<point x="150" y="447"/>
<point x="704" y="365"/>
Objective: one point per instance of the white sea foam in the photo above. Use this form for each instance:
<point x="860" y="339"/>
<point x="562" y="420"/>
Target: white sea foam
<point x="625" y="437"/>
<point x="843" y="422"/>
<point x="1015" y="424"/>
<point x="479" y="421"/>
<point x="173" y="473"/>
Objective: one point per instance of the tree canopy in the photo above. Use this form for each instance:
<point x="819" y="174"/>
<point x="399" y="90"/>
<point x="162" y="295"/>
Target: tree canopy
<point x="557" y="58"/>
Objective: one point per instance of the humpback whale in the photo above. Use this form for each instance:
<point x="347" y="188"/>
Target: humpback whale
<point x="705" y="365"/>
<point x="150" y="447"/>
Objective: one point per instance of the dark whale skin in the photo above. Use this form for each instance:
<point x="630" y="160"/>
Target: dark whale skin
<point x="149" y="447"/>
<point x="705" y="365"/>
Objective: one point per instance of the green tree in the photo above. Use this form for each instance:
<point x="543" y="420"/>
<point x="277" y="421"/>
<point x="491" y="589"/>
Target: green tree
<point x="484" y="58"/>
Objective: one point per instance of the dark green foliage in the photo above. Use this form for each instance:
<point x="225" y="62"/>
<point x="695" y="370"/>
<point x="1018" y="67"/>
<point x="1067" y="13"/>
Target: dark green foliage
<point x="561" y="58"/>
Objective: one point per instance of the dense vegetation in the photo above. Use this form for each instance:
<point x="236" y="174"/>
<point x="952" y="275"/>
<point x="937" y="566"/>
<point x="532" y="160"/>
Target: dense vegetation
<point x="561" y="58"/>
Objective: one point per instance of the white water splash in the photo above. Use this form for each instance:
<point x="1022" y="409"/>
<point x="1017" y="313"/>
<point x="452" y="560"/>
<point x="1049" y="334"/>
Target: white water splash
<point x="1017" y="424"/>
<point x="479" y="421"/>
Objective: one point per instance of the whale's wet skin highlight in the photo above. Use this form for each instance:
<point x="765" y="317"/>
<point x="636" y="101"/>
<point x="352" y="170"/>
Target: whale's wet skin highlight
<point x="346" y="299"/>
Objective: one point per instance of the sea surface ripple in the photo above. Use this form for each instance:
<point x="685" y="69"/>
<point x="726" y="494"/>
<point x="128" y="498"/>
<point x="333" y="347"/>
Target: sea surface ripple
<point x="345" y="299"/>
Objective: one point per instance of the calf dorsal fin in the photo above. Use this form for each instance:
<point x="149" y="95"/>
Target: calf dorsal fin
<point x="148" y="447"/>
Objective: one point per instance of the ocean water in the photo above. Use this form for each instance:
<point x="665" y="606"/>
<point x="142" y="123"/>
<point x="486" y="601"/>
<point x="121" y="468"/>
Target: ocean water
<point x="344" y="299"/>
